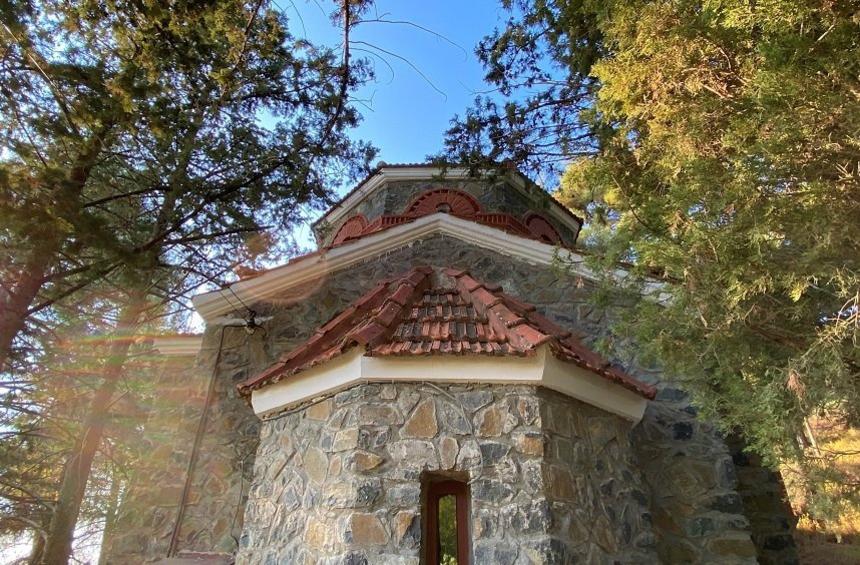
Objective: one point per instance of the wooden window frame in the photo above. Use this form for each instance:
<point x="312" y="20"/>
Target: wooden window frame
<point x="436" y="490"/>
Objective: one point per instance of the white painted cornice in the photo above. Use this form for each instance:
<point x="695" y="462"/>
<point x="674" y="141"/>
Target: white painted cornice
<point x="541" y="369"/>
<point x="213" y="304"/>
<point x="386" y="174"/>
<point x="210" y="305"/>
<point x="177" y="345"/>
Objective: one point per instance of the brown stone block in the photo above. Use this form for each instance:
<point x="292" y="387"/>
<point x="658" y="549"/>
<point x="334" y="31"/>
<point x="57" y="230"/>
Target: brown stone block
<point x="219" y="466"/>
<point x="335" y="465"/>
<point x="529" y="443"/>
<point x="559" y="482"/>
<point x="557" y="419"/>
<point x="346" y="439"/>
<point x="579" y="530"/>
<point x="677" y="550"/>
<point x="739" y="545"/>
<point x="316" y="465"/>
<point x="604" y="534"/>
<point x="488" y="422"/>
<point x="366" y="529"/>
<point x="448" y="451"/>
<point x="320" y="411"/>
<point x="422" y="422"/>
<point x="404" y="524"/>
<point x="318" y="534"/>
<point x="363" y="461"/>
<point x="665" y="521"/>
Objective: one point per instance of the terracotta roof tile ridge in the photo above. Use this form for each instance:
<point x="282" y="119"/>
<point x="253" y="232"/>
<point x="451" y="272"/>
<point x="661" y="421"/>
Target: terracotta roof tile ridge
<point x="368" y="301"/>
<point x="446" y="318"/>
<point x="488" y="302"/>
<point x="534" y="329"/>
<point x="383" y="322"/>
<point x="335" y="336"/>
<point x="574" y="350"/>
<point x="417" y="314"/>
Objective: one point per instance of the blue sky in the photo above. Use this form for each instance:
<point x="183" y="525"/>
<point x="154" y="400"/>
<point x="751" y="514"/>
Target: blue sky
<point x="408" y="107"/>
<point x="427" y="79"/>
<point x="404" y="115"/>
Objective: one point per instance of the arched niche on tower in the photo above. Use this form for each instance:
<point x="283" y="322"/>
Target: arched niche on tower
<point x="353" y="227"/>
<point x="541" y="228"/>
<point x="446" y="200"/>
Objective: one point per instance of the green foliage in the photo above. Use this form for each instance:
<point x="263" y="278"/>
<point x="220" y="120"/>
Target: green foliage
<point x="136" y="137"/>
<point x="448" y="530"/>
<point x="725" y="160"/>
<point x="145" y="151"/>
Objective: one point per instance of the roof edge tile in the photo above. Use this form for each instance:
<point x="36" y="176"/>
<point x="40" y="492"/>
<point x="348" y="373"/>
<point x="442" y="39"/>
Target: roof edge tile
<point x="383" y="321"/>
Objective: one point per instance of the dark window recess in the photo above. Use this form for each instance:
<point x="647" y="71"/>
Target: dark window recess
<point x="447" y="534"/>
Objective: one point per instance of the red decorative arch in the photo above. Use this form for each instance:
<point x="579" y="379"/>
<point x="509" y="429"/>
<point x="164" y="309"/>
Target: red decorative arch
<point x="353" y="227"/>
<point x="448" y="200"/>
<point x="541" y="229"/>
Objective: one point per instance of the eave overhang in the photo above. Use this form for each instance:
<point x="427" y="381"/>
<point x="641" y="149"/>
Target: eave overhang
<point x="541" y="369"/>
<point x="212" y="305"/>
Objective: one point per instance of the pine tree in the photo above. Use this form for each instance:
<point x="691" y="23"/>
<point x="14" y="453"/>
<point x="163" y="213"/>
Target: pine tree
<point x="721" y="154"/>
<point x="211" y="112"/>
<point x="143" y="146"/>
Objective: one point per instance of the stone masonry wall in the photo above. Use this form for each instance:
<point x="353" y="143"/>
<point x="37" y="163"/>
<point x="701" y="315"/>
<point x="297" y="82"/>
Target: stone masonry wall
<point x="213" y="515"/>
<point x="690" y="479"/>
<point x="552" y="480"/>
<point x="223" y="471"/>
<point x="148" y="510"/>
<point x="767" y="507"/>
<point x="593" y="481"/>
<point x="690" y="482"/>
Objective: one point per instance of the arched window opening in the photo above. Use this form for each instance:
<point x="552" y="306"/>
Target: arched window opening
<point x="446" y="534"/>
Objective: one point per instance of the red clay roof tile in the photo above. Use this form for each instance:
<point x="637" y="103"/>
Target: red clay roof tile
<point x="428" y="312"/>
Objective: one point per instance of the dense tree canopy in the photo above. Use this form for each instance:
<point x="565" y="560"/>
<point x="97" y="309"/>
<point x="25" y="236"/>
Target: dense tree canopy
<point x="141" y="147"/>
<point x="716" y="145"/>
<point x="134" y="134"/>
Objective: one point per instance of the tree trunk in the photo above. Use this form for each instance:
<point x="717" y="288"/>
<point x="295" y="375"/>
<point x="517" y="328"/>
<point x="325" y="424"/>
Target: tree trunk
<point x="110" y="514"/>
<point x="79" y="462"/>
<point x="14" y="304"/>
<point x="38" y="547"/>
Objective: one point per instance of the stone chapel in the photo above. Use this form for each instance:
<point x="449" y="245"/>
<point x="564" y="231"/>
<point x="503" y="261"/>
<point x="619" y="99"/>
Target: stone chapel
<point x="425" y="388"/>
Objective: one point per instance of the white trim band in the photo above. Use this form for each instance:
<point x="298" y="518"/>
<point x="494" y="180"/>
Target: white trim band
<point x="210" y="305"/>
<point x="177" y="345"/>
<point x="542" y="369"/>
